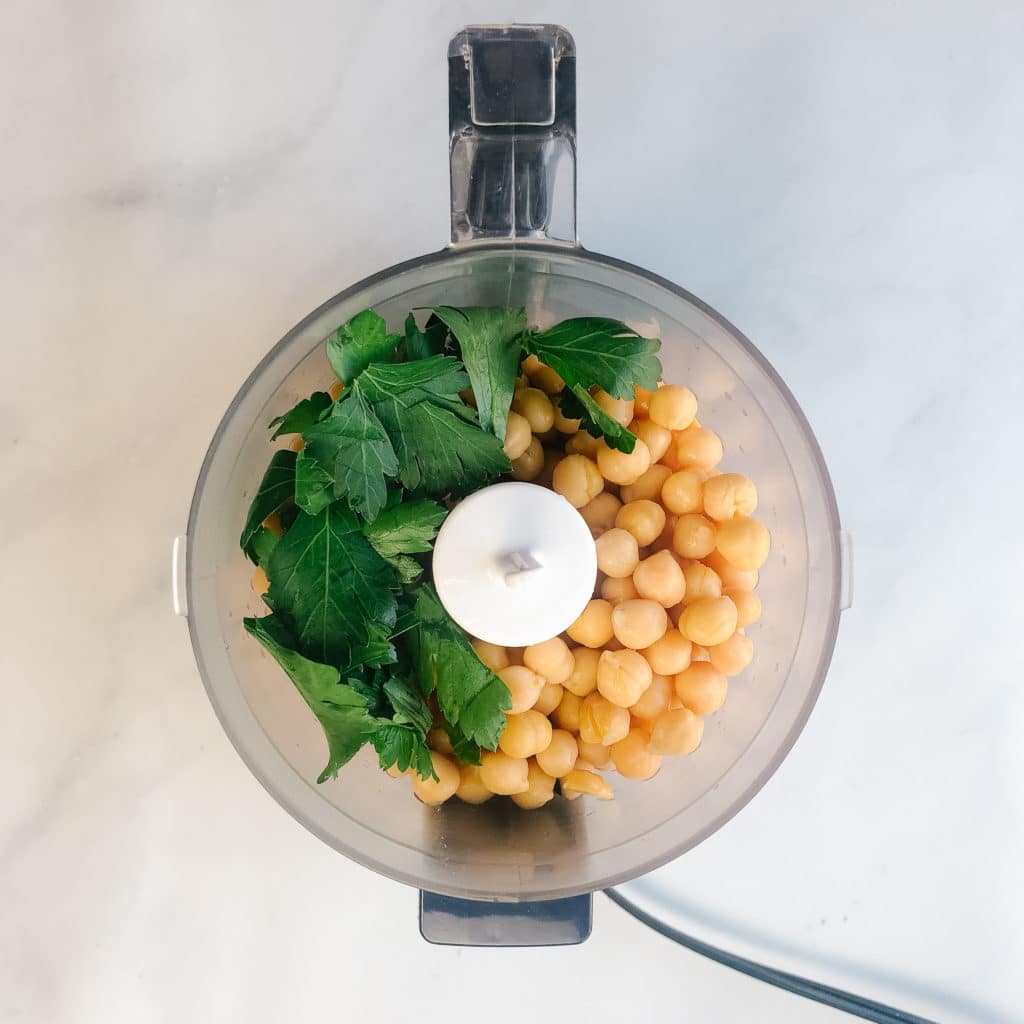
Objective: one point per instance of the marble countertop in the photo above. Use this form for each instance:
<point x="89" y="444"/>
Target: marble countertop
<point x="183" y="182"/>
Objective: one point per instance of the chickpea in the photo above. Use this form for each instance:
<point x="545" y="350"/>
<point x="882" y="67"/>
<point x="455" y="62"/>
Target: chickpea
<point x="709" y="621"/>
<point x="655" y="699"/>
<point x="536" y="407"/>
<point x="563" y="424"/>
<point x="560" y="756"/>
<point x="583" y="444"/>
<point x="748" y="606"/>
<point x="701" y="688"/>
<point x="395" y="773"/>
<point x="260" y="582"/>
<point x="579" y="782"/>
<point x="502" y="774"/>
<point x="531" y="365"/>
<point x="669" y="655"/>
<point x="699" y="654"/>
<point x="656" y="437"/>
<point x="436" y="791"/>
<point x="600" y="513"/>
<point x="471" y="786"/>
<point x="729" y="494"/>
<point x="644" y="519"/>
<point x="701" y="581"/>
<point x="744" y="542"/>
<point x="638" y="624"/>
<point x="731" y="577"/>
<point x="673" y="407"/>
<point x="623" y="676"/>
<point x="273" y="524"/>
<point x="530" y="464"/>
<point x="620" y="409"/>
<point x="601" y="721"/>
<point x="551" y="659"/>
<point x="694" y="536"/>
<point x="683" y="492"/>
<point x="524" y="685"/>
<point x="296" y="444"/>
<point x="664" y="540"/>
<point x="732" y="656"/>
<point x="596" y="755"/>
<point x="549" y="699"/>
<point x="642" y="401"/>
<point x="621" y="467"/>
<point x="593" y="628"/>
<point x="677" y="732"/>
<point x="617" y="553"/>
<point x="616" y="590"/>
<point x="540" y="788"/>
<point x="517" y="435"/>
<point x="494" y="656"/>
<point x="649" y="486"/>
<point x="632" y="757"/>
<point x="660" y="579"/>
<point x="547" y="380"/>
<point x="578" y="480"/>
<point x="439" y="740"/>
<point x="698" y="446"/>
<point x="567" y="715"/>
<point x="584" y="673"/>
<point x="336" y="389"/>
<point x="670" y="459"/>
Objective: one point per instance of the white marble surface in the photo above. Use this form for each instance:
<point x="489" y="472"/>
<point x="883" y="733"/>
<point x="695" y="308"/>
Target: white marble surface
<point x="181" y="182"/>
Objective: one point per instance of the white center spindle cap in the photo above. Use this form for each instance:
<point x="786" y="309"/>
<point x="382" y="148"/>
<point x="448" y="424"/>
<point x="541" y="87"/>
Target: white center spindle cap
<point x="514" y="564"/>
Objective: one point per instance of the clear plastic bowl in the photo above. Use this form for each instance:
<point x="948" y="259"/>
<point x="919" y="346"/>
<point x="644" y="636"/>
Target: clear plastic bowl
<point x="495" y="851"/>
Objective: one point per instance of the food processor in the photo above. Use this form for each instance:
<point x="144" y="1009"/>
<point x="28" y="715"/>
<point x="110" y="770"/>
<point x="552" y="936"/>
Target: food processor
<point x="493" y="874"/>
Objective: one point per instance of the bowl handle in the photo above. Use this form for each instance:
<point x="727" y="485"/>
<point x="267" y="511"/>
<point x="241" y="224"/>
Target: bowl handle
<point x="448" y="921"/>
<point x="512" y="133"/>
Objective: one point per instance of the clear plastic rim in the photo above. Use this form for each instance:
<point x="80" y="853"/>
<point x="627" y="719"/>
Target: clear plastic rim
<point x="828" y="645"/>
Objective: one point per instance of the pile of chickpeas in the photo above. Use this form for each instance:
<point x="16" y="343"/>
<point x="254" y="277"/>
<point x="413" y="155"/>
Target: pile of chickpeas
<point x="678" y="554"/>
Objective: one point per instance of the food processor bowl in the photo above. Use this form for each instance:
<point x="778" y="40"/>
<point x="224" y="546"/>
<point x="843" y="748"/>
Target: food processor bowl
<point x="514" y="243"/>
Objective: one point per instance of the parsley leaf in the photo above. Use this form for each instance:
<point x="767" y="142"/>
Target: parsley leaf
<point x="301" y="416"/>
<point x="591" y="350"/>
<point x="405" y="527"/>
<point x="363" y="340"/>
<point x="275" y="490"/>
<point x="402" y="747"/>
<point x="464" y="749"/>
<point x="419" y="344"/>
<point x="489" y="341"/>
<point x="352" y="448"/>
<point x="327" y="579"/>
<point x="437" y="377"/>
<point x="263" y="542"/>
<point x="314" y="486"/>
<point x="470" y="695"/>
<point x="341" y="710"/>
<point x="578" y="404"/>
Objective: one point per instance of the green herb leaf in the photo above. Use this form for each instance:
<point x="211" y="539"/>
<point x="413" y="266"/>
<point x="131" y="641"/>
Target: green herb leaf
<point x="440" y="447"/>
<point x="314" y="486"/>
<point x="593" y="350"/>
<point x="276" y="489"/>
<point x="410" y="707"/>
<point x="406" y="527"/>
<point x="340" y="709"/>
<point x="437" y="377"/>
<point x="578" y="403"/>
<point x="327" y="579"/>
<point x="464" y="749"/>
<point x="377" y="651"/>
<point x="402" y="747"/>
<point x="469" y="694"/>
<point x="263" y="542"/>
<point x="353" y="450"/>
<point x="357" y="344"/>
<point x="423" y="344"/>
<point x="300" y="417"/>
<point x="489" y="341"/>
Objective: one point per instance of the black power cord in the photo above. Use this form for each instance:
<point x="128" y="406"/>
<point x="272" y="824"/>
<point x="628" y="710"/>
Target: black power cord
<point x="859" y="1006"/>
